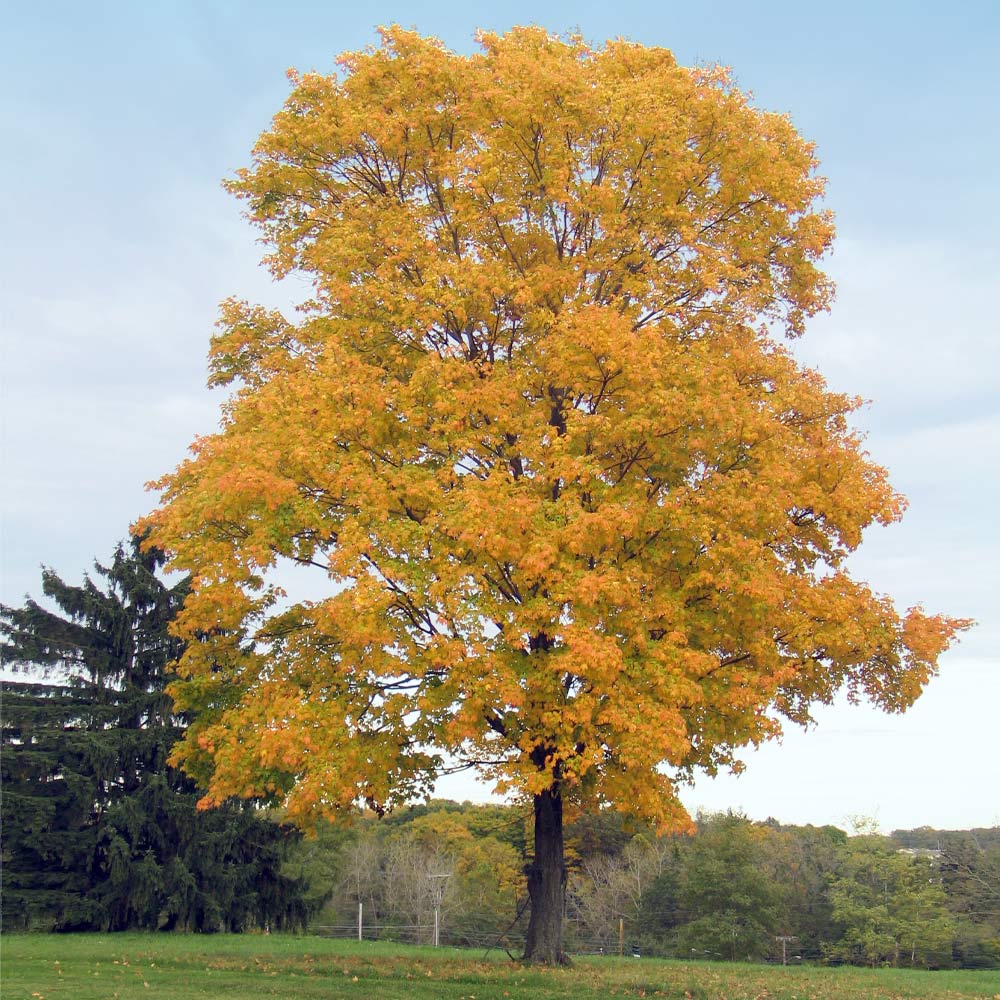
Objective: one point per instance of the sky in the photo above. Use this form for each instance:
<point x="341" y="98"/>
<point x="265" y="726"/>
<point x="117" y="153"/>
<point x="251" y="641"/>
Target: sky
<point x="119" y="121"/>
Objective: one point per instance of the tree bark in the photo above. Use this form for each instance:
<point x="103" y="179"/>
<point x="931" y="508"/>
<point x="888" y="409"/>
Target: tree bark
<point x="547" y="883"/>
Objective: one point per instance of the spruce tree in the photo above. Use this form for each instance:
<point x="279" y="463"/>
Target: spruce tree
<point x="99" y="832"/>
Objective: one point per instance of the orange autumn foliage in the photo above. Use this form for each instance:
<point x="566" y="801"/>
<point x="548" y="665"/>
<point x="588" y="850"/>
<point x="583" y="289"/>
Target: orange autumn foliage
<point x="577" y="517"/>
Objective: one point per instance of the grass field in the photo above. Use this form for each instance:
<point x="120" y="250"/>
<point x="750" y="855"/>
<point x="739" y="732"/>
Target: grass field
<point x="246" y="967"/>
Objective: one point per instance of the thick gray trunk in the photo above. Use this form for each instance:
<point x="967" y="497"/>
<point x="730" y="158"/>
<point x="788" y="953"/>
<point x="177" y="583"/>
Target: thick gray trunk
<point x="547" y="883"/>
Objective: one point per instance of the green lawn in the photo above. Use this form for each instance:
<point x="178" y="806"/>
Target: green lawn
<point x="245" y="967"/>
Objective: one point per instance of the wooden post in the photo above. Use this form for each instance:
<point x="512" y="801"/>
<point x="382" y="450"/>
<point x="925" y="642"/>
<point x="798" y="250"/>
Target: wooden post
<point x="621" y="936"/>
<point x="360" y="917"/>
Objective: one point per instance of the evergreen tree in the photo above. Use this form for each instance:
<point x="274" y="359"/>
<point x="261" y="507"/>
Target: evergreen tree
<point x="99" y="833"/>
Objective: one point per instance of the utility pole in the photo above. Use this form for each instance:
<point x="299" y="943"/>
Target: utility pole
<point x="437" y="893"/>
<point x="784" y="939"/>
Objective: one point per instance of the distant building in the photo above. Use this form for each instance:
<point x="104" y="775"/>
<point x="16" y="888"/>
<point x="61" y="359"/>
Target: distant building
<point x="920" y="852"/>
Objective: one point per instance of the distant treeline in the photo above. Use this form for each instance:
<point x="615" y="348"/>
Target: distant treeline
<point x="733" y="890"/>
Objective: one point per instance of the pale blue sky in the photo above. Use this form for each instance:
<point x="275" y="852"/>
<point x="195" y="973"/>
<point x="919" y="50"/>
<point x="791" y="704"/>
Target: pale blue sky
<point x="120" y="119"/>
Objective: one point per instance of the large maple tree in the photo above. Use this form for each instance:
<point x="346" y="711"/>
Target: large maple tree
<point x="579" y="519"/>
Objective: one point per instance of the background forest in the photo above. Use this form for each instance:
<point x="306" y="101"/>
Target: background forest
<point x="732" y="890"/>
<point x="101" y="834"/>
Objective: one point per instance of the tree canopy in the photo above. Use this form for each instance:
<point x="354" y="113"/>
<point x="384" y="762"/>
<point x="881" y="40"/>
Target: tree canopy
<point x="579" y="519"/>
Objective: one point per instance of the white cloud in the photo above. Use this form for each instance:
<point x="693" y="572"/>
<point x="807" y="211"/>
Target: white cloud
<point x="934" y="765"/>
<point x="913" y="328"/>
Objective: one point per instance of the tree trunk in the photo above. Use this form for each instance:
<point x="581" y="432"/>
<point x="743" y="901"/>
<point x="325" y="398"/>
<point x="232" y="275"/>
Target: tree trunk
<point x="547" y="883"/>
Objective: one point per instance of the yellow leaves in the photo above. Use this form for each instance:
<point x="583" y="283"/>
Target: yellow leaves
<point x="485" y="155"/>
<point x="252" y="344"/>
<point x="926" y="637"/>
<point x="558" y="487"/>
